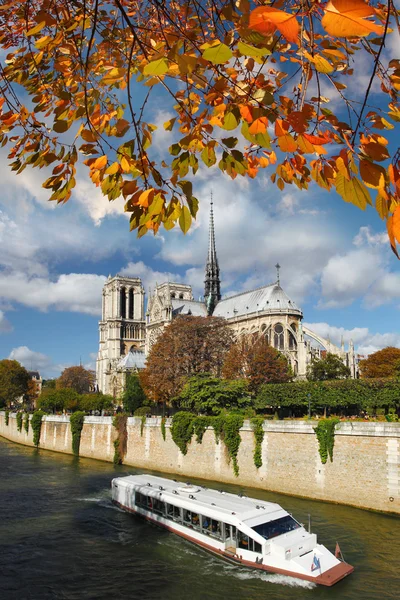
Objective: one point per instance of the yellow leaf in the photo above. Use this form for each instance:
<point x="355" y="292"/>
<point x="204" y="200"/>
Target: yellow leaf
<point x="322" y="65"/>
<point x="247" y="50"/>
<point x="230" y="122"/>
<point x="396" y="223"/>
<point x="389" y="224"/>
<point x="372" y="175"/>
<point x="287" y="143"/>
<point x="218" y="55"/>
<point x="345" y="18"/>
<point x="381" y="207"/>
<point x="146" y="197"/>
<point x="112" y="169"/>
<point x="156" y="67"/>
<point x="125" y="164"/>
<point x="185" y="219"/>
<point x="36" y="29"/>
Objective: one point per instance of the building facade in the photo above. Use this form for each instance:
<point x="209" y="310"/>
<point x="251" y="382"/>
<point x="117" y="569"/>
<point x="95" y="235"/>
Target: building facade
<point x="127" y="333"/>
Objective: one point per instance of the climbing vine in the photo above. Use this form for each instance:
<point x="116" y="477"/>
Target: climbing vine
<point x="200" y="424"/>
<point x="232" y="439"/>
<point x="19" y="421"/>
<point x="163" y="429"/>
<point x="26" y="422"/>
<point x="36" y="424"/>
<point x="257" y="424"/>
<point x="182" y="429"/>
<point x="76" y="422"/>
<point x="217" y="424"/>
<point x="121" y="443"/>
<point x="325" y="432"/>
<point x="142" y="424"/>
<point x="7" y="417"/>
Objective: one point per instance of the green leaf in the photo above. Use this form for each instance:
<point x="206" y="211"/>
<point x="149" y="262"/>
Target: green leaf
<point x="156" y="206"/>
<point x="230" y="121"/>
<point x="186" y="187"/>
<point x="174" y="149"/>
<point x="218" y="54"/>
<point x="168" y="125"/>
<point x="156" y="67"/>
<point x="61" y="126"/>
<point x="185" y="219"/>
<point x="248" y="50"/>
<point x="193" y="206"/>
<point x="208" y="156"/>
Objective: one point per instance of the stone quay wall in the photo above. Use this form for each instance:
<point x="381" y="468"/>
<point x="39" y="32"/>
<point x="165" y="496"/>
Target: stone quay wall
<point x="365" y="471"/>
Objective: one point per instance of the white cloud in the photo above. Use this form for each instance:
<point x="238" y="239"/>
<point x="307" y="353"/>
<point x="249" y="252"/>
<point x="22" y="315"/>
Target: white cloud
<point x="385" y="290"/>
<point x="74" y="292"/>
<point x="347" y="277"/>
<point x="5" y="325"/>
<point x="366" y="237"/>
<point x="365" y="342"/>
<point x="33" y="361"/>
<point x="148" y="276"/>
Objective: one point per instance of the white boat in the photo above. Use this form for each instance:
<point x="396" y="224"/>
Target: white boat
<point x="250" y="532"/>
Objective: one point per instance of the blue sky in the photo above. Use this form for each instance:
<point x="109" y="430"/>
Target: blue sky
<point x="336" y="261"/>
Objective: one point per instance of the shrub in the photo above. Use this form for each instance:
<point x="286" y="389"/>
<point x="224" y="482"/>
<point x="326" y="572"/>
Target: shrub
<point x="19" y="421"/>
<point x="325" y="432"/>
<point x="163" y="429"/>
<point x="232" y="438"/>
<point x="7" y="417"/>
<point x="76" y="421"/>
<point x="120" y="444"/>
<point x="26" y="422"/>
<point x="257" y="424"/>
<point x="182" y="429"/>
<point x="143" y="411"/>
<point x="36" y="424"/>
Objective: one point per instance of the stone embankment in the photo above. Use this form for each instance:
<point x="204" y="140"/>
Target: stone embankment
<point x="365" y="471"/>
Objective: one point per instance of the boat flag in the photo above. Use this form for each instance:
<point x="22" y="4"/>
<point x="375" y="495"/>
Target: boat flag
<point x="315" y="564"/>
<point x="338" y="552"/>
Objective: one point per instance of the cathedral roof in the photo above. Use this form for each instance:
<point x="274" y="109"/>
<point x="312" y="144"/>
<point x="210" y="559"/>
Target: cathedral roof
<point x="188" y="307"/>
<point x="270" y="298"/>
<point x="133" y="360"/>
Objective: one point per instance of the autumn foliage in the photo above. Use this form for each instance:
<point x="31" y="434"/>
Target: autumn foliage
<point x="250" y="85"/>
<point x="188" y="346"/>
<point x="384" y="363"/>
<point x="253" y="359"/>
<point x="78" y="378"/>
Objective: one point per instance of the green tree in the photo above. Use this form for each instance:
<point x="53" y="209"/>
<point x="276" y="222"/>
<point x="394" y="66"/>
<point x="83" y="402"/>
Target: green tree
<point x="14" y="380"/>
<point x="52" y="400"/>
<point x="209" y="395"/>
<point x="330" y="367"/>
<point x="133" y="396"/>
<point x="95" y="402"/>
<point x="77" y="378"/>
<point x="384" y="363"/>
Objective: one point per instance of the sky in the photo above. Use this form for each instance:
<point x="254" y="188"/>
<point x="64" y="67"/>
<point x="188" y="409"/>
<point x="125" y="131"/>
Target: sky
<point x="336" y="263"/>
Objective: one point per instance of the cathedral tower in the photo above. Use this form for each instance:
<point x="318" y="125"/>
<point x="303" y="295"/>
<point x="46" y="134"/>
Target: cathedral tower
<point x="122" y="326"/>
<point x="212" y="284"/>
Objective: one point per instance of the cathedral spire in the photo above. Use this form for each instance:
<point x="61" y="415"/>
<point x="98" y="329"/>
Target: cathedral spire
<point x="212" y="287"/>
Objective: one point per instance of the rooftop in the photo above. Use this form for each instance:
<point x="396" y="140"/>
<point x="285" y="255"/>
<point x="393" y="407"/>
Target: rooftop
<point x="188" y="307"/>
<point x="269" y="298"/>
<point x="133" y="360"/>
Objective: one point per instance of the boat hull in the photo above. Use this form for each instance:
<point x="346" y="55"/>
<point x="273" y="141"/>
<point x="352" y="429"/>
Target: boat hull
<point x="328" y="578"/>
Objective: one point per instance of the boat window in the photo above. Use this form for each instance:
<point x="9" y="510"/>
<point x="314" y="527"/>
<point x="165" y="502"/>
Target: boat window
<point x="159" y="507"/>
<point x="141" y="500"/>
<point x="191" y="519"/>
<point x="275" y="528"/>
<point x="214" y="529"/>
<point x="150" y="502"/>
<point x="243" y="540"/>
<point x="174" y="513"/>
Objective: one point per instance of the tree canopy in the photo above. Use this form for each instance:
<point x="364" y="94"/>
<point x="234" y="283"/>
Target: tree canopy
<point x="77" y="378"/>
<point x="328" y="367"/>
<point x="384" y="363"/>
<point x="253" y="359"/>
<point x="209" y="395"/>
<point x="133" y="396"/>
<point x="188" y="346"/>
<point x="249" y="85"/>
<point x="14" y="381"/>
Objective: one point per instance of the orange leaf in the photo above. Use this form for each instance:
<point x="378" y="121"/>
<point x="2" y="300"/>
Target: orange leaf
<point x="345" y="18"/>
<point x="146" y="197"/>
<point x="259" y="126"/>
<point x="281" y="128"/>
<point x="316" y="139"/>
<point x="389" y="224"/>
<point x="372" y="175"/>
<point x="99" y="163"/>
<point x="266" y="19"/>
<point x="245" y="111"/>
<point x="396" y="223"/>
<point x="287" y="143"/>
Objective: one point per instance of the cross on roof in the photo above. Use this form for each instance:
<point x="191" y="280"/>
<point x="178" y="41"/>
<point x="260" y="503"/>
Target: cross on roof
<point x="277" y="267"/>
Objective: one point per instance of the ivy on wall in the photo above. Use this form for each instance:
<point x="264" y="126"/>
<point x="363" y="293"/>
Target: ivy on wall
<point x="76" y="421"/>
<point x="325" y="432"/>
<point x="142" y="424"/>
<point x="226" y="427"/>
<point x="36" y="424"/>
<point x="26" y="422"/>
<point x="257" y="424"/>
<point x="163" y="429"/>
<point x="7" y="417"/>
<point x="121" y="443"/>
<point x="19" y="421"/>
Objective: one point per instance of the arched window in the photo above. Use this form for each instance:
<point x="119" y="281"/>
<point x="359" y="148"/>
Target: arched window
<point x="279" y="337"/>
<point x="123" y="302"/>
<point x="173" y="295"/>
<point x="131" y="300"/>
<point x="266" y="332"/>
<point x="292" y="341"/>
<point x="180" y="296"/>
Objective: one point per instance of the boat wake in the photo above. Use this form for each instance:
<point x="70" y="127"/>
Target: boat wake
<point x="273" y="578"/>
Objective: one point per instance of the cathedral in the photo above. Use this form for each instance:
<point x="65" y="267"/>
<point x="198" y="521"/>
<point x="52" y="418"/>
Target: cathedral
<point x="128" y="330"/>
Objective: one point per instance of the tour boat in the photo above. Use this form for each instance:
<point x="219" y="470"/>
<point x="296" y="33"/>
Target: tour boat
<point x="249" y="532"/>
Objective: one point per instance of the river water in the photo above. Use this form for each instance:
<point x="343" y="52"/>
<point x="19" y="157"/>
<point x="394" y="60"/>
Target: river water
<point x="61" y="538"/>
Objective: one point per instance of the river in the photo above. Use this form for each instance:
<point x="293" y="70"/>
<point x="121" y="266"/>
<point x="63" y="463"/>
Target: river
<point x="61" y="538"/>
